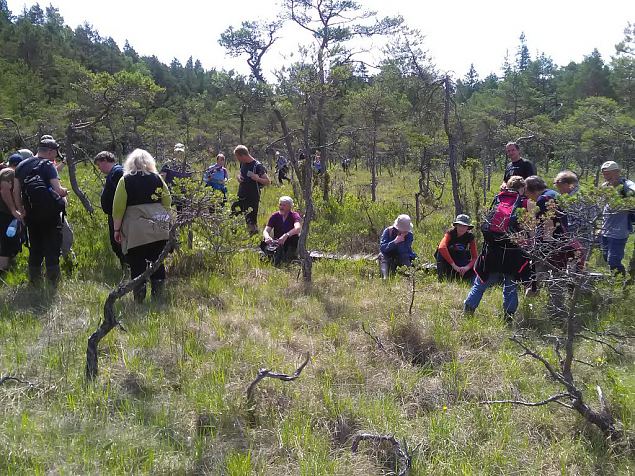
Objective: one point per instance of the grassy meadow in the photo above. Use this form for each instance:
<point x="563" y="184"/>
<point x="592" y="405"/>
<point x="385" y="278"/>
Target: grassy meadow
<point x="171" y="394"/>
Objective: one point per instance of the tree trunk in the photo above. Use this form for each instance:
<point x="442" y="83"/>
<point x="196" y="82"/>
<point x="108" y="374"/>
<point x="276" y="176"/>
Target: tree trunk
<point x="373" y="168"/>
<point x="72" y="171"/>
<point x="454" y="174"/>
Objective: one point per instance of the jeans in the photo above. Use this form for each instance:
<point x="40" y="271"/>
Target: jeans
<point x="510" y="294"/>
<point x="613" y="252"/>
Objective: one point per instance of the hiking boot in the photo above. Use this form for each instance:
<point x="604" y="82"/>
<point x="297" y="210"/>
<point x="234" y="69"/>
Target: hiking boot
<point x="35" y="275"/>
<point x="157" y="289"/>
<point x="509" y="317"/>
<point x="53" y="274"/>
<point x="468" y="311"/>
<point x="139" y="294"/>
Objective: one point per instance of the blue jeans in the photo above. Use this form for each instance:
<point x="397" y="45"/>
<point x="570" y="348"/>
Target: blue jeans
<point x="613" y="252"/>
<point x="510" y="295"/>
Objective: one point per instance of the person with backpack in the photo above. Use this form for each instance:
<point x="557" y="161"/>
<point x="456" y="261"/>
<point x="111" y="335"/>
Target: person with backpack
<point x="40" y="199"/>
<point x="141" y="219"/>
<point x="395" y="246"/>
<point x="552" y="247"/>
<point x="501" y="260"/>
<point x="10" y="217"/>
<point x="616" y="224"/>
<point x="216" y="176"/>
<point x="252" y="177"/>
<point x="456" y="253"/>
<point x="107" y="164"/>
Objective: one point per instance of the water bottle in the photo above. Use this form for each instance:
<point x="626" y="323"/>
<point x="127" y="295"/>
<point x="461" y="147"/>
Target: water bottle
<point x="13" y="228"/>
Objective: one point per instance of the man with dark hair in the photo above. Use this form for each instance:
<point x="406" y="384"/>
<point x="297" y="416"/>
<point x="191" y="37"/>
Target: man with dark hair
<point x="517" y="166"/>
<point x="252" y="177"/>
<point x="107" y="164"/>
<point x="39" y="197"/>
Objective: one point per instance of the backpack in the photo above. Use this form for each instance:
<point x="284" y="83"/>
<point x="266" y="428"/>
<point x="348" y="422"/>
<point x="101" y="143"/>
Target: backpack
<point x="501" y="217"/>
<point x="214" y="175"/>
<point x="43" y="205"/>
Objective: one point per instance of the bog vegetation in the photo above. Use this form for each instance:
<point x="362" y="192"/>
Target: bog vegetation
<point x="171" y="393"/>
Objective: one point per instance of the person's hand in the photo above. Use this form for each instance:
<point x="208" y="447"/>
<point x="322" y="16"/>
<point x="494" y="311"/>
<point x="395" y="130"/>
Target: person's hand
<point x="240" y="178"/>
<point x="268" y="240"/>
<point x="118" y="236"/>
<point x="464" y="269"/>
<point x="282" y="239"/>
<point x="456" y="268"/>
<point x="64" y="192"/>
<point x="251" y="175"/>
<point x="503" y="186"/>
<point x="17" y="214"/>
<point x="400" y="238"/>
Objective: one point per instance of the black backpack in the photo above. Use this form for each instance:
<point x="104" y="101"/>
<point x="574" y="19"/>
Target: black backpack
<point x="43" y="205"/>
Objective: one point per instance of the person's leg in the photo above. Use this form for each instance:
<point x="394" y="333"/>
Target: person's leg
<point x="510" y="295"/>
<point x="604" y="247"/>
<point x="615" y="252"/>
<point x="290" y="248"/>
<point x="116" y="247"/>
<point x="475" y="295"/>
<point x="251" y="217"/>
<point x="157" y="279"/>
<point x="137" y="261"/>
<point x="387" y="265"/>
<point x="53" y="250"/>
<point x="36" y="254"/>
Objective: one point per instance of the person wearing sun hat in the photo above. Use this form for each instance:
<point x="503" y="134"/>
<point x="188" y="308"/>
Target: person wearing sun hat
<point x="617" y="224"/>
<point x="457" y="253"/>
<point x="395" y="246"/>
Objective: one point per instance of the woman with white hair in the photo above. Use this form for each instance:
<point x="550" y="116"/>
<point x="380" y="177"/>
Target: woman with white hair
<point x="141" y="218"/>
<point x="280" y="236"/>
<point x="395" y="246"/>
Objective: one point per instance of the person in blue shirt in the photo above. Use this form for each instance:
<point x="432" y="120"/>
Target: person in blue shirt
<point x="617" y="224"/>
<point x="395" y="246"/>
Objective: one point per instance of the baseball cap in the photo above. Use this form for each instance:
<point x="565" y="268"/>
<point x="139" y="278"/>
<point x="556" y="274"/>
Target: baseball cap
<point x="609" y="165"/>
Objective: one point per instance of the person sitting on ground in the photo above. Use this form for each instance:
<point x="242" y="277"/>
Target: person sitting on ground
<point x="501" y="260"/>
<point x="141" y="218"/>
<point x="10" y="246"/>
<point x="216" y="175"/>
<point x="395" y="246"/>
<point x="456" y="253"/>
<point x="280" y="236"/>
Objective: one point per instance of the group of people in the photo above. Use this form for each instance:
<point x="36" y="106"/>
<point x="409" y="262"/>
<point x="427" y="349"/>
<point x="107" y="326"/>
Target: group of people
<point x="562" y="236"/>
<point x="137" y="198"/>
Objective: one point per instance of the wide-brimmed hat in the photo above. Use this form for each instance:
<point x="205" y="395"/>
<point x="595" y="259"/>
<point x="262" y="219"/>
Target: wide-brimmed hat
<point x="179" y="147"/>
<point x="403" y="223"/>
<point x="609" y="165"/>
<point x="463" y="219"/>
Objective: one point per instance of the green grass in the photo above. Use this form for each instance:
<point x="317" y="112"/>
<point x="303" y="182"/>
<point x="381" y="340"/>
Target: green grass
<point x="170" y="396"/>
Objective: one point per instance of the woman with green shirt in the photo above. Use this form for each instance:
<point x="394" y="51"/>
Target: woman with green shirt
<point x="141" y="218"/>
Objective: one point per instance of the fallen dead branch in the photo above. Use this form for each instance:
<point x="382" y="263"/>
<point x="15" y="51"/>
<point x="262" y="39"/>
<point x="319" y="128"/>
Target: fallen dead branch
<point x="8" y="378"/>
<point x="264" y="373"/>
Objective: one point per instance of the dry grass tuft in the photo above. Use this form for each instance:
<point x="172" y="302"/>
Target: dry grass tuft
<point x="416" y="346"/>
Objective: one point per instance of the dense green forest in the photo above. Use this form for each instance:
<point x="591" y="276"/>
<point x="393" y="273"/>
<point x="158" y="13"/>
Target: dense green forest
<point x="579" y="114"/>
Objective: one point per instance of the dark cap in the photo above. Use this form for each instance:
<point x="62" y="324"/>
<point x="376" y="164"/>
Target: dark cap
<point x="47" y="142"/>
<point x="14" y="159"/>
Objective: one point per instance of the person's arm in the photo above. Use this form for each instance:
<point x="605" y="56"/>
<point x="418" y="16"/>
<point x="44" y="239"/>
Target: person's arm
<point x="266" y="234"/>
<point x="386" y="244"/>
<point x="17" y="196"/>
<point x="261" y="179"/>
<point x="297" y="228"/>
<point x="7" y="198"/>
<point x="444" y="251"/>
<point x="166" y="198"/>
<point x="409" y="239"/>
<point x="119" y="208"/>
<point x="57" y="186"/>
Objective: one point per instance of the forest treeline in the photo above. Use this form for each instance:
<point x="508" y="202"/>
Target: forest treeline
<point x="578" y="115"/>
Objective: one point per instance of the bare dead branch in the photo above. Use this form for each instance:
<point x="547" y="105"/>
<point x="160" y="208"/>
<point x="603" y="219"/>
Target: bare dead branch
<point x="8" y="378"/>
<point x="377" y="340"/>
<point x="264" y="373"/>
<point x="403" y="457"/>
<point x="600" y="341"/>
<point x="556" y="375"/>
<point x="554" y="398"/>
